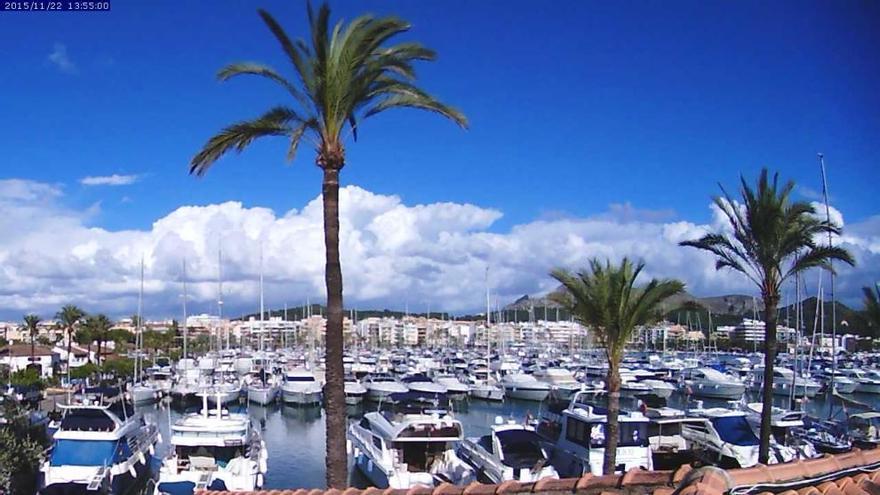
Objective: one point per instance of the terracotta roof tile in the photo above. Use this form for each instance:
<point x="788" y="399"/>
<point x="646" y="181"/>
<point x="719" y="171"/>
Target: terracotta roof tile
<point x="829" y="488"/>
<point x="665" y="490"/>
<point x="448" y="489"/>
<point x="417" y="490"/>
<point x="644" y="477"/>
<point x="509" y="487"/>
<point x="809" y="490"/>
<point x="554" y="485"/>
<point x="480" y="489"/>
<point x="681" y="472"/>
<point x="870" y="487"/>
<point x="756" y="475"/>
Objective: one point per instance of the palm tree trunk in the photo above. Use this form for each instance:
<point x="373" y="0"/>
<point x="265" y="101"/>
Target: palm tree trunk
<point x="89" y="351"/>
<point x="611" y="428"/>
<point x="334" y="391"/>
<point x="33" y="354"/>
<point x="769" y="361"/>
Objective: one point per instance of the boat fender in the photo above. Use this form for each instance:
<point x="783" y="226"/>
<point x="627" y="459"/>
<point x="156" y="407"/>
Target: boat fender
<point x="152" y="450"/>
<point x="142" y="458"/>
<point x="348" y="447"/>
<point x="132" y="471"/>
<point x="260" y="480"/>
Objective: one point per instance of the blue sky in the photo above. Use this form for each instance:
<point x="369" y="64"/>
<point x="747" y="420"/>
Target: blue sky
<point x="574" y="106"/>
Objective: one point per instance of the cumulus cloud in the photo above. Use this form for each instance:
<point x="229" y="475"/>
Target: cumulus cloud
<point x="60" y="59"/>
<point x="392" y="254"/>
<point x="110" y="180"/>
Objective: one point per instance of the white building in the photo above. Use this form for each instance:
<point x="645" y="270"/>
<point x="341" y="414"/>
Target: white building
<point x="18" y="357"/>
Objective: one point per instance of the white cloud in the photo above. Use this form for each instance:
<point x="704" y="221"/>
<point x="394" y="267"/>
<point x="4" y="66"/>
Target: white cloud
<point x="110" y="180"/>
<point x="392" y="254"/>
<point x="60" y="59"/>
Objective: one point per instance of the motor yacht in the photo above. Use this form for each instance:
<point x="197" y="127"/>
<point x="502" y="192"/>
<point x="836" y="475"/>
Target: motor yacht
<point x="712" y="384"/>
<point x="403" y="451"/>
<point x="508" y="452"/>
<point x="301" y="387"/>
<point x="213" y="450"/>
<point x="98" y="447"/>
<point x="524" y="387"/>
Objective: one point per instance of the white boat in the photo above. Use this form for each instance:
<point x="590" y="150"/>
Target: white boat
<point x="262" y="389"/>
<point x="509" y="452"/>
<point x="712" y="384"/>
<point x="421" y="384"/>
<point x="524" y="387"/>
<point x="300" y="387"/>
<point x="563" y="384"/>
<point x="843" y="383"/>
<point x="867" y="381"/>
<point x="381" y="386"/>
<point x="98" y="448"/>
<point x="409" y="450"/>
<point x="783" y="379"/>
<point x="577" y="436"/>
<point x="726" y="438"/>
<point x="144" y="393"/>
<point x="225" y="392"/>
<point x="783" y="422"/>
<point x="213" y="450"/>
<point x="454" y="388"/>
<point x="482" y="386"/>
<point x="354" y="391"/>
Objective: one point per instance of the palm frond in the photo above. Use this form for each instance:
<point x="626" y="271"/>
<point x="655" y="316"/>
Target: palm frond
<point x="275" y="122"/>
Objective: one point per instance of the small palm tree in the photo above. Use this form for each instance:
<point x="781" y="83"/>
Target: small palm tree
<point x="341" y="75"/>
<point x="70" y="317"/>
<point x="872" y="308"/>
<point x="771" y="239"/>
<point x="30" y="322"/>
<point x="605" y="298"/>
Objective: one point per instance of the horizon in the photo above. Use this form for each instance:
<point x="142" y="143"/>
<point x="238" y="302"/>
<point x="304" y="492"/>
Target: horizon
<point x="596" y="130"/>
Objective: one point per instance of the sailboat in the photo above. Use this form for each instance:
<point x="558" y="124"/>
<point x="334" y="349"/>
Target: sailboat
<point x="142" y="391"/>
<point x="263" y="388"/>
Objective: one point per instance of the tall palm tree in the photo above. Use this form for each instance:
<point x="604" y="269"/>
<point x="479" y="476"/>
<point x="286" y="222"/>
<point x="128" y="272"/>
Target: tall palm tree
<point x="605" y="299"/>
<point x="70" y="316"/>
<point x="30" y="322"/>
<point x="771" y="238"/>
<point x="872" y="308"/>
<point x="341" y="76"/>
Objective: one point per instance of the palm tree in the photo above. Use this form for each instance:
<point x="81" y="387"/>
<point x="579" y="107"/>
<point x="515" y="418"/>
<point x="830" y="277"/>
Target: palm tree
<point x="99" y="325"/>
<point x="30" y="322"/>
<point x="872" y="308"/>
<point x="771" y="238"/>
<point x="341" y="75"/>
<point x="70" y="317"/>
<point x="606" y="299"/>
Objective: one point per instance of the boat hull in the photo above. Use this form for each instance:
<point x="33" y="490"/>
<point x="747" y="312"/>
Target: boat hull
<point x="303" y="398"/>
<point x="262" y="395"/>
<point x="526" y="393"/>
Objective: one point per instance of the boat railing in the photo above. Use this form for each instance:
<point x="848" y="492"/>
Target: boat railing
<point x="97" y="479"/>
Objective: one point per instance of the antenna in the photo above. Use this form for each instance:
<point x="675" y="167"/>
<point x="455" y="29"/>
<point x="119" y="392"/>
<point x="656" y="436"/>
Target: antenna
<point x="139" y="336"/>
<point x="262" y="311"/>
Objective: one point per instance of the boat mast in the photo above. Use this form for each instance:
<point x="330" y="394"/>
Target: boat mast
<point x="262" y="311"/>
<point x="220" y="292"/>
<point x="488" y="319"/>
<point x="185" y="332"/>
<point x="831" y="275"/>
<point x="139" y="335"/>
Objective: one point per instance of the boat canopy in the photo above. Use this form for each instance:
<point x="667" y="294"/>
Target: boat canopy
<point x="87" y="419"/>
<point x="735" y="430"/>
<point x="520" y="448"/>
<point x="84" y="452"/>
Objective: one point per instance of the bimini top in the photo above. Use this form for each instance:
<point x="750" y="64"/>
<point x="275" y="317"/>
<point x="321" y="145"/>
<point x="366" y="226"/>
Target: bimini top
<point x="414" y="427"/>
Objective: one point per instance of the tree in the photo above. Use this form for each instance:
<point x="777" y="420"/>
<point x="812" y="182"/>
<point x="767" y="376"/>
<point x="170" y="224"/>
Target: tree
<point x="99" y="328"/>
<point x="771" y="238"/>
<point x="30" y="322"/>
<point x="70" y="317"/>
<point x="21" y="448"/>
<point x="872" y="308"/>
<point x="342" y="75"/>
<point x="85" y="336"/>
<point x="605" y="298"/>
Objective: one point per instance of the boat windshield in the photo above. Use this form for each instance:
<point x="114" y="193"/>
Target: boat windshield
<point x="520" y="448"/>
<point x="83" y="453"/>
<point x="300" y="378"/>
<point x="735" y="430"/>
